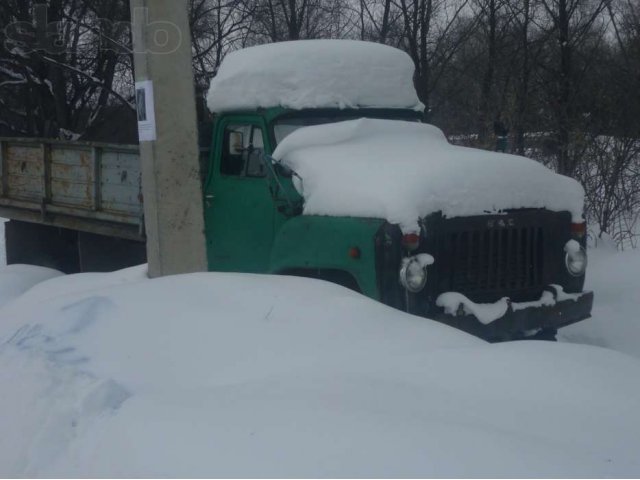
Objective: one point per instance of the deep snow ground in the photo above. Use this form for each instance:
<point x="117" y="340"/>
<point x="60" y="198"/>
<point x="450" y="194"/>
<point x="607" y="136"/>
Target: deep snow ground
<point x="615" y="279"/>
<point x="118" y="375"/>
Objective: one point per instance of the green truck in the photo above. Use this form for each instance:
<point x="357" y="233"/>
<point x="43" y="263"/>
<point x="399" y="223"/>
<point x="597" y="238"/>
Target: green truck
<point x="503" y="274"/>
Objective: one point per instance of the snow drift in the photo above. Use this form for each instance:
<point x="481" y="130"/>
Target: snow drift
<point x="230" y="375"/>
<point x="403" y="171"/>
<point x="314" y="74"/>
<point x="17" y="279"/>
<point x="615" y="321"/>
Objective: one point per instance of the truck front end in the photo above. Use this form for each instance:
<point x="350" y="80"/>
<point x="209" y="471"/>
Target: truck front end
<point x="359" y="191"/>
<point x="492" y="244"/>
<point x="513" y="275"/>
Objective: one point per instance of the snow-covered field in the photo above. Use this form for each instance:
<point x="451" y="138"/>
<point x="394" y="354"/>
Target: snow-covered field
<point x="615" y="279"/>
<point x="118" y="375"/>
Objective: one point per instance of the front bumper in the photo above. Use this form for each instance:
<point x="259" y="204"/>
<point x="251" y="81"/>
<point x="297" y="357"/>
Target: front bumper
<point x="517" y="323"/>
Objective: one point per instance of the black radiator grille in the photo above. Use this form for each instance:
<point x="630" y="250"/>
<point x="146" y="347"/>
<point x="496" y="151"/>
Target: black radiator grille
<point x="502" y="260"/>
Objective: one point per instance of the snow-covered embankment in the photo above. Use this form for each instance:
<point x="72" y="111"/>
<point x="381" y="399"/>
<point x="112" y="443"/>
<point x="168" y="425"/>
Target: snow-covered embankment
<point x="183" y="376"/>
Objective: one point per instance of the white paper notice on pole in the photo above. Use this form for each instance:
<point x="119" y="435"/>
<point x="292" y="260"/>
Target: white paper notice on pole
<point x="146" y="111"/>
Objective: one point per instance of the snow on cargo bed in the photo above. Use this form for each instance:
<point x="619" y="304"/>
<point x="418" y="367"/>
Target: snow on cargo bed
<point x="230" y="375"/>
<point x="403" y="171"/>
<point x="314" y="74"/>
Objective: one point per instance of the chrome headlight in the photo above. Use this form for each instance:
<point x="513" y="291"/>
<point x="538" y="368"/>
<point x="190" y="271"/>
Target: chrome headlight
<point x="413" y="274"/>
<point x="576" y="262"/>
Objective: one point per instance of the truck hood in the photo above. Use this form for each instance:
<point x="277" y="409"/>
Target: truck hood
<point x="403" y="171"/>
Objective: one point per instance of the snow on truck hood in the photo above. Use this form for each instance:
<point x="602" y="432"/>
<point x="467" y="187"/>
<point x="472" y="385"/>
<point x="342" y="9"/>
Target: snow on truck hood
<point x="403" y="171"/>
<point x="314" y="74"/>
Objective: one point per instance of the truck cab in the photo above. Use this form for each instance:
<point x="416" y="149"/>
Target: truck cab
<point x="248" y="201"/>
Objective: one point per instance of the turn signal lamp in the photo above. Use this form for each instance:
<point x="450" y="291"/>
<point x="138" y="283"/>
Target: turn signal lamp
<point x="578" y="230"/>
<point x="411" y="241"/>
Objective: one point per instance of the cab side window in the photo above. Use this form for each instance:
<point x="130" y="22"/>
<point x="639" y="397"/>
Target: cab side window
<point x="242" y="151"/>
<point x="255" y="161"/>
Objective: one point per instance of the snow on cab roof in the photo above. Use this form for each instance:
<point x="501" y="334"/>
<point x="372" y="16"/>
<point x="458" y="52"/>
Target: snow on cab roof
<point x="314" y="74"/>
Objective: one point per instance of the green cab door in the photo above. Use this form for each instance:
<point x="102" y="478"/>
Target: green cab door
<point x="239" y="210"/>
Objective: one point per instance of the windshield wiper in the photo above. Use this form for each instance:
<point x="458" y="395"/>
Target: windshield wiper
<point x="274" y="178"/>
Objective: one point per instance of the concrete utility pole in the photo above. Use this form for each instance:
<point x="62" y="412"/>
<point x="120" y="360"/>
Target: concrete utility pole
<point x="168" y="137"/>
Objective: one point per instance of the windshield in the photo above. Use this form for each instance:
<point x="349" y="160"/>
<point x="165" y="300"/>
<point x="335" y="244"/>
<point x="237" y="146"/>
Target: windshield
<point x="283" y="127"/>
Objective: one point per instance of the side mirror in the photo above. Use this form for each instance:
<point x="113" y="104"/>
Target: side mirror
<point x="236" y="143"/>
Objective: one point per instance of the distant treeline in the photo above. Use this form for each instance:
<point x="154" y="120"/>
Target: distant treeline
<point x="568" y="70"/>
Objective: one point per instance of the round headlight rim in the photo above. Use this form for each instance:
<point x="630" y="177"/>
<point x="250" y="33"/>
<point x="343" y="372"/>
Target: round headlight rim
<point x="585" y="261"/>
<point x="404" y="277"/>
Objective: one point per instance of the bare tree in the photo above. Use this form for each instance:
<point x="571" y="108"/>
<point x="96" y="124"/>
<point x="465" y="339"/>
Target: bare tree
<point x="58" y="64"/>
<point x="572" y="24"/>
<point x="523" y="16"/>
<point x="278" y="20"/>
<point x="217" y="26"/>
<point x="494" y="19"/>
<point x="427" y="37"/>
<point x="610" y="174"/>
<point x="380" y="21"/>
<point x="610" y="171"/>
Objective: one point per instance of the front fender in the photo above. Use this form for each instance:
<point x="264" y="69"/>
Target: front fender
<point x="322" y="242"/>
